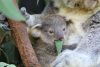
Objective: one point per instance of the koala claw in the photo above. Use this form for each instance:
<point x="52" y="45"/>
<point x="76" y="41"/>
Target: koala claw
<point x="59" y="62"/>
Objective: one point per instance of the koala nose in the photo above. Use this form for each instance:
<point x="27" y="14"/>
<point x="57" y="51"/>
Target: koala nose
<point x="60" y="37"/>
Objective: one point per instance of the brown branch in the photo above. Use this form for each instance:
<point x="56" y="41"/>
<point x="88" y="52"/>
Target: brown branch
<point x="23" y="43"/>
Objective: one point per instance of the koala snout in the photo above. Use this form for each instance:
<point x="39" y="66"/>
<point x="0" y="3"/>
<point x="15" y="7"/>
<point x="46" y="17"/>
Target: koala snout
<point x="60" y="36"/>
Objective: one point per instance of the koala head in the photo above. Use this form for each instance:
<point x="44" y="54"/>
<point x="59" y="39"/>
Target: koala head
<point x="53" y="27"/>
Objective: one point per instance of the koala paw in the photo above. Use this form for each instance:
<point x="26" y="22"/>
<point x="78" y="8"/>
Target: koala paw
<point x="70" y="58"/>
<point x="61" y="60"/>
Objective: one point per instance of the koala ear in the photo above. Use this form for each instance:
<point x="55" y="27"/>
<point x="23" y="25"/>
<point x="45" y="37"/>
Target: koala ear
<point x="68" y="22"/>
<point x="37" y="26"/>
<point x="34" y="32"/>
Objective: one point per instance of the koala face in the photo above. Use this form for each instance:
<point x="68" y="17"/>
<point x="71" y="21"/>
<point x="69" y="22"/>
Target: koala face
<point x="53" y="28"/>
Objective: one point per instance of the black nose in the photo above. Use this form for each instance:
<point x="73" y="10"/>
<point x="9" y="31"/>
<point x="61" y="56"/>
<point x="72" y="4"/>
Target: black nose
<point x="61" y="38"/>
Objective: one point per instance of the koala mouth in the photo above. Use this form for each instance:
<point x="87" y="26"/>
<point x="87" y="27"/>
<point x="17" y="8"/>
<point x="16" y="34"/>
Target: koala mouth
<point x="56" y="48"/>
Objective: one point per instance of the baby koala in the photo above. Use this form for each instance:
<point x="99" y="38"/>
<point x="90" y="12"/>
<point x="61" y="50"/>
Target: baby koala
<point x="87" y="54"/>
<point x="49" y="27"/>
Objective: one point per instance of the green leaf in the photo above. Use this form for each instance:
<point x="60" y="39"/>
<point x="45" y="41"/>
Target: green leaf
<point x="8" y="8"/>
<point x="58" y="44"/>
<point x="2" y="64"/>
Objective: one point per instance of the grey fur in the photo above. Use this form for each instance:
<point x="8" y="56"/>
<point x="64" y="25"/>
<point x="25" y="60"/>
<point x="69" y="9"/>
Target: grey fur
<point x="48" y="22"/>
<point x="87" y="54"/>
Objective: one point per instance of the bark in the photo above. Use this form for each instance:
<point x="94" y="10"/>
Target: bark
<point x="23" y="44"/>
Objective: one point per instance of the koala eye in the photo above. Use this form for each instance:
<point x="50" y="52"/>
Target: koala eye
<point x="63" y="29"/>
<point x="51" y="32"/>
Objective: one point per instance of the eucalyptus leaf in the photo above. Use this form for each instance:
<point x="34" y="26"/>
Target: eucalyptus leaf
<point x="8" y="8"/>
<point x="58" y="44"/>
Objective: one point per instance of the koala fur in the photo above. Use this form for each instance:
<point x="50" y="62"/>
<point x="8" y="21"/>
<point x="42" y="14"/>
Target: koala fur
<point x="87" y="54"/>
<point x="40" y="25"/>
<point x="78" y="11"/>
<point x="37" y="23"/>
<point x="48" y="28"/>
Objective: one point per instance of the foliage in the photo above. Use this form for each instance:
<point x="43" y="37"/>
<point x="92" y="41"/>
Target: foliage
<point x="9" y="9"/>
<point x="58" y="44"/>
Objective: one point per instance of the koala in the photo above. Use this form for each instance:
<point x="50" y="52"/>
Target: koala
<point x="87" y="53"/>
<point x="50" y="27"/>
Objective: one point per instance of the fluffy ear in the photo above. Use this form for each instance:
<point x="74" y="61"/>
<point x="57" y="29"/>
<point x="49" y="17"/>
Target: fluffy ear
<point x="36" y="26"/>
<point x="68" y="22"/>
<point x="34" y="32"/>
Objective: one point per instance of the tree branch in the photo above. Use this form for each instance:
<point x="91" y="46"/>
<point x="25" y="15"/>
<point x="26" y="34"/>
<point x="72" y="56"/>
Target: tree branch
<point x="23" y="43"/>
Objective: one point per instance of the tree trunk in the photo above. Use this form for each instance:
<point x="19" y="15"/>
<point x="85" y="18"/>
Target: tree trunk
<point x="23" y="43"/>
